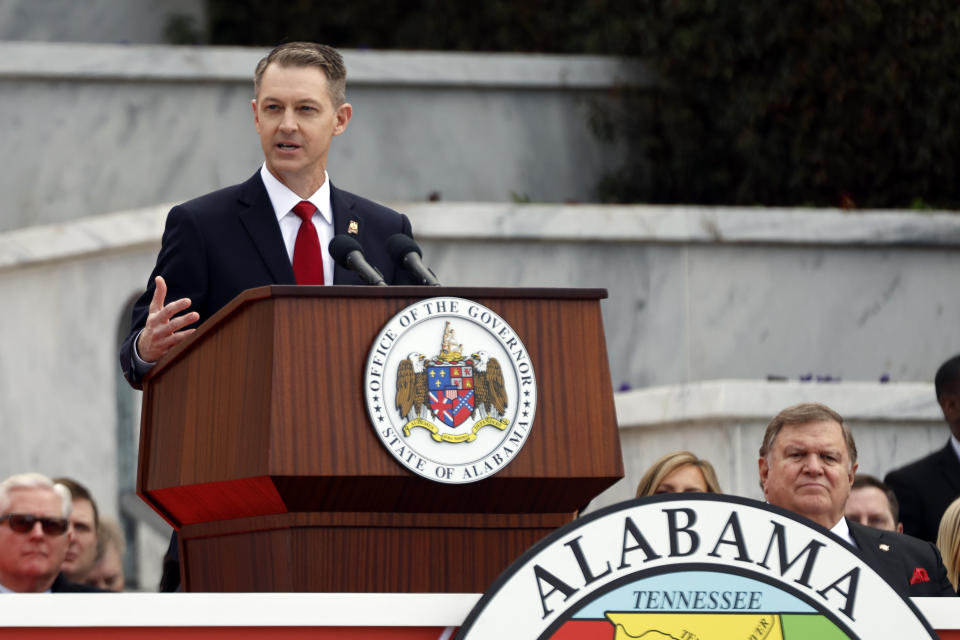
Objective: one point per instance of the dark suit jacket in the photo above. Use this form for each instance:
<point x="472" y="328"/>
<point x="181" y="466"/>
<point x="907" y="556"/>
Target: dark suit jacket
<point x="902" y="557"/>
<point x="62" y="585"/>
<point x="220" y="244"/>
<point x="925" y="489"/>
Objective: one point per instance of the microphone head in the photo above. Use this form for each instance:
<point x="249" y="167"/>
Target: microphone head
<point x="399" y="245"/>
<point x="341" y="246"/>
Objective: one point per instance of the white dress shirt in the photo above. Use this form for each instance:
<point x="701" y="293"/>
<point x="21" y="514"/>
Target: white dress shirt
<point x="956" y="445"/>
<point x="284" y="200"/>
<point x="843" y="531"/>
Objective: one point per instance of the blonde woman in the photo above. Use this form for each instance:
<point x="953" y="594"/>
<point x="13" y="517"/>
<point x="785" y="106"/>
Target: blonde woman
<point x="948" y="540"/>
<point x="679" y="472"/>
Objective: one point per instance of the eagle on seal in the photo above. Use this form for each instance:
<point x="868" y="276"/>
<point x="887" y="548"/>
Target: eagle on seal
<point x="488" y="385"/>
<point x="412" y="385"/>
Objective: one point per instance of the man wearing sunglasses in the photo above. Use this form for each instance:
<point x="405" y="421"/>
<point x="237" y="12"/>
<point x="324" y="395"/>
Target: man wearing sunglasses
<point x="34" y="535"/>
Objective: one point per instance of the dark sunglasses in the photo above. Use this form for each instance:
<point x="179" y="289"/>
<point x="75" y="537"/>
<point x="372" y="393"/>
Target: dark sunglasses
<point x="24" y="523"/>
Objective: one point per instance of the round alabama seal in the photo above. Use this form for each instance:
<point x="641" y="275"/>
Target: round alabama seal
<point x="686" y="566"/>
<point x="450" y="390"/>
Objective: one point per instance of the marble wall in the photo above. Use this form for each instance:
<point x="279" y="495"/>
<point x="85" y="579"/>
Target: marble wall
<point x="701" y="293"/>
<point x="724" y="421"/>
<point x="115" y="21"/>
<point x="695" y="295"/>
<point x="101" y="128"/>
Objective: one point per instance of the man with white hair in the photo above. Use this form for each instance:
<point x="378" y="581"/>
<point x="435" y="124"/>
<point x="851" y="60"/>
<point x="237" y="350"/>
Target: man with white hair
<point x="34" y="535"/>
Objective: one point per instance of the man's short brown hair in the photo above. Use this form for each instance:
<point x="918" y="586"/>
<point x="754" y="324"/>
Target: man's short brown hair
<point x="80" y="492"/>
<point x="802" y="414"/>
<point x="308" y="54"/>
<point x="863" y="480"/>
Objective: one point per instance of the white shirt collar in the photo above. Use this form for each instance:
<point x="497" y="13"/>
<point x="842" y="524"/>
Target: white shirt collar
<point x="842" y="530"/>
<point x="283" y="199"/>
<point x="956" y="445"/>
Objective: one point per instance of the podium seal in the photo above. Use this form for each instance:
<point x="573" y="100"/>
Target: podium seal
<point x="693" y="567"/>
<point x="450" y="390"/>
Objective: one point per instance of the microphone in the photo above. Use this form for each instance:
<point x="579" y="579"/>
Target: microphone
<point x="348" y="253"/>
<point x="405" y="252"/>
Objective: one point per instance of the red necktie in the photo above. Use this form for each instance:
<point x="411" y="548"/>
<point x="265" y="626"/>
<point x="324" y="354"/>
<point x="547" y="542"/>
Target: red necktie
<point x="307" y="257"/>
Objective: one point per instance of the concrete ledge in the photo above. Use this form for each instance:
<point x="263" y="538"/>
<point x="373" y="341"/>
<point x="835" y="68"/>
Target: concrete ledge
<point x="724" y="421"/>
<point x="238" y="609"/>
<point x="86" y="236"/>
<point x="558" y="223"/>
<point x="139" y="610"/>
<point x="43" y="60"/>
<point x="749" y="400"/>
<point x="686" y="224"/>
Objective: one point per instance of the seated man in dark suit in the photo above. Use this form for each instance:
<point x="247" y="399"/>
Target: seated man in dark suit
<point x="34" y="535"/>
<point x="807" y="464"/>
<point x="275" y="227"/>
<point x="926" y="488"/>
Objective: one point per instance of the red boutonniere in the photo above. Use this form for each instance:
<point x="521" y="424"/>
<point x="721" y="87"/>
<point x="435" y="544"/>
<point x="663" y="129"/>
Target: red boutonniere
<point x="919" y="575"/>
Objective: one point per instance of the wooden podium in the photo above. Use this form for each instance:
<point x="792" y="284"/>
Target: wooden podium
<point x="256" y="444"/>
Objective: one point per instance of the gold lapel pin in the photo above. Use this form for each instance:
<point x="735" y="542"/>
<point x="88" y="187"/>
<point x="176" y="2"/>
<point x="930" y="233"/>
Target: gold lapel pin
<point x="884" y="547"/>
<point x="353" y="227"/>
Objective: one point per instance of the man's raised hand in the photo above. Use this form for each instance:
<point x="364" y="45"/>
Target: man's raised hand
<point x="163" y="330"/>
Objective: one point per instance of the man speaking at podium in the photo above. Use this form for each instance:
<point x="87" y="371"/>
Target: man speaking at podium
<point x="272" y="229"/>
<point x="275" y="227"/>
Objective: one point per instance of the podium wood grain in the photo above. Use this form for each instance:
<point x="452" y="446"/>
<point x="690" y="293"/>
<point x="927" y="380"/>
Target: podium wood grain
<point x="259" y="420"/>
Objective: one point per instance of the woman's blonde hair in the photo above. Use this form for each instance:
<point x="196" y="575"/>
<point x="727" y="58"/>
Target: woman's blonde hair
<point x="948" y="540"/>
<point x="668" y="464"/>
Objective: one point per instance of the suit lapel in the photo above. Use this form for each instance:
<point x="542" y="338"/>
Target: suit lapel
<point x="260" y="221"/>
<point x="950" y="467"/>
<point x="346" y="220"/>
<point x="871" y="543"/>
<point x="58" y="584"/>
